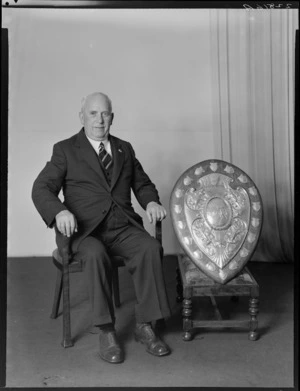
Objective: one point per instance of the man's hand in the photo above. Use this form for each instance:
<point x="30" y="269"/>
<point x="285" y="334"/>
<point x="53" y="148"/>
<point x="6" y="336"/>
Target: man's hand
<point x="155" y="212"/>
<point x="66" y="223"/>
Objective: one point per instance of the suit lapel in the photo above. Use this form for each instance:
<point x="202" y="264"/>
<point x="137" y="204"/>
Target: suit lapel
<point x="118" y="159"/>
<point x="88" y="154"/>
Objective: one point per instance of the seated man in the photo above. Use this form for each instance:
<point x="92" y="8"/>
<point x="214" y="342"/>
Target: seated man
<point x="97" y="172"/>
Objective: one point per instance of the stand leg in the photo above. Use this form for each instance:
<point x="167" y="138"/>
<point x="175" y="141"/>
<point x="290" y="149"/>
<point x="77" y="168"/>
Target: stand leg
<point x="253" y="311"/>
<point x="187" y="319"/>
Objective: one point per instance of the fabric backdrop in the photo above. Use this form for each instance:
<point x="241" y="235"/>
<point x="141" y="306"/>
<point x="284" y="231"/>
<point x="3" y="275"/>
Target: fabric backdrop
<point x="253" y="84"/>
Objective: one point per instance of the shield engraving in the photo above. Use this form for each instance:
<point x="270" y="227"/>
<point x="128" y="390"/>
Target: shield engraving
<point x="216" y="212"/>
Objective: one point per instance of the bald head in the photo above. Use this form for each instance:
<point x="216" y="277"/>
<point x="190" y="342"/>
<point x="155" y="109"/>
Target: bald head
<point x="89" y="97"/>
<point x="96" y="115"/>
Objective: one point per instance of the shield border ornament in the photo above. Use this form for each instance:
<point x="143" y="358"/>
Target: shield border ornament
<point x="238" y="180"/>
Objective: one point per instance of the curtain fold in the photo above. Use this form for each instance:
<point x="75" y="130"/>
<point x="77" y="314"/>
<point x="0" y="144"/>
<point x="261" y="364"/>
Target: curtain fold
<point x="253" y="84"/>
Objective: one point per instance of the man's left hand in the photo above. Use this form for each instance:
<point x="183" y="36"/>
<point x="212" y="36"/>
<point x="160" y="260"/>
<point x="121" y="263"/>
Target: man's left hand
<point x="155" y="212"/>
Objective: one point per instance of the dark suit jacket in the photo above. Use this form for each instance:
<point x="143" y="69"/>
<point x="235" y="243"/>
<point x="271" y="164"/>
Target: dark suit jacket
<point x="75" y="168"/>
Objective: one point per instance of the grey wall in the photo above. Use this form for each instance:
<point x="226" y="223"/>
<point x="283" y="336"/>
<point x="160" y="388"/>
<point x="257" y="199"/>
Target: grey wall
<point x="154" y="64"/>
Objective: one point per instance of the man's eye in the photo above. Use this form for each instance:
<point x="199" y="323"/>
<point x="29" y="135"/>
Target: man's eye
<point x="105" y="114"/>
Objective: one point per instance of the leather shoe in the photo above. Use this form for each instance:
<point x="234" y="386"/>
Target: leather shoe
<point x="110" y="350"/>
<point x="144" y="333"/>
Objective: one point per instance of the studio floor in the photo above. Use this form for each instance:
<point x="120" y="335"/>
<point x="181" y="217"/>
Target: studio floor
<point x="214" y="358"/>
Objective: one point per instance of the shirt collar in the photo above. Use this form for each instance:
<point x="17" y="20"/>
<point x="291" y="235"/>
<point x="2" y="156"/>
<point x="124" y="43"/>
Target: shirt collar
<point x="96" y="144"/>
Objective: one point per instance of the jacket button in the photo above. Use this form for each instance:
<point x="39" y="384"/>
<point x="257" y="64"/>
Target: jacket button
<point x="104" y="211"/>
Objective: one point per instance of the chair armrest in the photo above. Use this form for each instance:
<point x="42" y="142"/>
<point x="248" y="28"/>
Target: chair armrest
<point x="64" y="245"/>
<point x="158" y="234"/>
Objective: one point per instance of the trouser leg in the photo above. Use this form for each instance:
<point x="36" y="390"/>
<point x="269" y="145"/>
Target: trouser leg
<point x="143" y="258"/>
<point x="98" y="276"/>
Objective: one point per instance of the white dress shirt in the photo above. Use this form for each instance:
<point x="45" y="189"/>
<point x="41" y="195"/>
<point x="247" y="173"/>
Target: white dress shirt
<point x="96" y="144"/>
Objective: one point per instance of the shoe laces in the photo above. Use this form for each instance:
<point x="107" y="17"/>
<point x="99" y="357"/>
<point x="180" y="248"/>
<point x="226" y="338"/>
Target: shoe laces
<point x="112" y="338"/>
<point x="148" y="330"/>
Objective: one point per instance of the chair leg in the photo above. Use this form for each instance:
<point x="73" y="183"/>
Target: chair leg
<point x="179" y="287"/>
<point x="67" y="341"/>
<point x="253" y="311"/>
<point x="57" y="295"/>
<point x="115" y="286"/>
<point x="160" y="324"/>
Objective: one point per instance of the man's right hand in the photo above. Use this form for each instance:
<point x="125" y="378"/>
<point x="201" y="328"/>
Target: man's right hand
<point x="66" y="223"/>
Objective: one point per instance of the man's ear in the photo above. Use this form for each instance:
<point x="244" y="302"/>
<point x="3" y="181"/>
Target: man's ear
<point x="81" y="117"/>
<point x="112" y="118"/>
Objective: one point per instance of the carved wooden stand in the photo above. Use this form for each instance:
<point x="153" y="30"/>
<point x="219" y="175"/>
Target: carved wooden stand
<point x="197" y="283"/>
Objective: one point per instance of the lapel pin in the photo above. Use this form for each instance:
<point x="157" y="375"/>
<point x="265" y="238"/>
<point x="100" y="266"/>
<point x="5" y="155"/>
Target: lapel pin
<point x="120" y="150"/>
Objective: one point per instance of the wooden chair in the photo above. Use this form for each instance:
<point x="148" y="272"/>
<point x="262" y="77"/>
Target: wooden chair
<point x="66" y="264"/>
<point x="191" y="282"/>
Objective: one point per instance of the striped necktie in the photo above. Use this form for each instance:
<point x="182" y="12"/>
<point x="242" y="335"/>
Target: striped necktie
<point x="104" y="156"/>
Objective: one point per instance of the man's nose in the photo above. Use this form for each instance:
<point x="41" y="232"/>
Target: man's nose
<point x="100" y="118"/>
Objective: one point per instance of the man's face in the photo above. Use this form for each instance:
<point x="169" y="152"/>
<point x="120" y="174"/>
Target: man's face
<point x="96" y="117"/>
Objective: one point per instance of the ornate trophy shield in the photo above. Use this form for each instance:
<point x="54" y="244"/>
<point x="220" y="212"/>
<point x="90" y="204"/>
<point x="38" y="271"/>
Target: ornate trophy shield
<point x="217" y="213"/>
